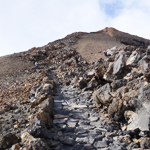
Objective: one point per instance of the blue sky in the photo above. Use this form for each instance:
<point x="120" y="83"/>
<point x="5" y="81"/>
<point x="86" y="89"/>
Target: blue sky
<point x="34" y="23"/>
<point x="111" y="9"/>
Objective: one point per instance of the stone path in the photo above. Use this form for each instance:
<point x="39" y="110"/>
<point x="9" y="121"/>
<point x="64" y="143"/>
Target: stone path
<point x="77" y="123"/>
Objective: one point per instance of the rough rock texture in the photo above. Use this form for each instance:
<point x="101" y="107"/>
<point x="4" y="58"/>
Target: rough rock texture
<point x="87" y="91"/>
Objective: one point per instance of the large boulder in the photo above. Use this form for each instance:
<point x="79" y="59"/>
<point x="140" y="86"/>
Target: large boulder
<point x="134" y="58"/>
<point x="119" y="63"/>
<point x="124" y="100"/>
<point x="92" y="84"/>
<point x="109" y="76"/>
<point x="140" y="118"/>
<point x="100" y="68"/>
<point x="45" y="111"/>
<point x="8" y="140"/>
<point x="144" y="64"/>
<point x="31" y="143"/>
<point x="38" y="129"/>
<point x="118" y="83"/>
<point x="103" y="95"/>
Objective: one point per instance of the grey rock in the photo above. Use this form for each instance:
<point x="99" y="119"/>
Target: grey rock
<point x="145" y="143"/>
<point x="103" y="95"/>
<point x="148" y="51"/>
<point x="8" y="140"/>
<point x="94" y="118"/>
<point x="111" y="51"/>
<point x="57" y="106"/>
<point x="119" y="64"/>
<point x="71" y="124"/>
<point x="67" y="140"/>
<point x="100" y="144"/>
<point x="88" y="146"/>
<point x="38" y="129"/>
<point x="59" y="121"/>
<point x="82" y="139"/>
<point x="80" y="130"/>
<point x="91" y="139"/>
<point x="134" y="58"/>
<point x="144" y="64"/>
<point x="118" y="83"/>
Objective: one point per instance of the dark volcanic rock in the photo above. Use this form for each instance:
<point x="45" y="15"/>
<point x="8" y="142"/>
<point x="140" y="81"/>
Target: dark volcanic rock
<point x="8" y="140"/>
<point x="38" y="129"/>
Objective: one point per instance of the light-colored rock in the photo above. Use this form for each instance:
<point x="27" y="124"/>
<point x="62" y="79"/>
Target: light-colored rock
<point x="103" y="95"/>
<point x="79" y="106"/>
<point x="15" y="147"/>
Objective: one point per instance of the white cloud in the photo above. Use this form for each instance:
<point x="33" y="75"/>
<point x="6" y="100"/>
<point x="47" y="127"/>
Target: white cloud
<point x="29" y="23"/>
<point x="134" y="18"/>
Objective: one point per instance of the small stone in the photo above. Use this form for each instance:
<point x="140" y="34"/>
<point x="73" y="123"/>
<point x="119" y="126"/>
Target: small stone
<point x="106" y="115"/>
<point x="57" y="106"/>
<point x="68" y="129"/>
<point x="67" y="140"/>
<point x="62" y="126"/>
<point x="124" y="128"/>
<point x="91" y="139"/>
<point x="60" y="116"/>
<point x="87" y="127"/>
<point x="100" y="144"/>
<point x="54" y="143"/>
<point x="82" y="139"/>
<point x="17" y="111"/>
<point x="145" y="143"/>
<point x="93" y="119"/>
<point x="88" y="146"/>
<point x="8" y="140"/>
<point x="59" y="121"/>
<point x="31" y="117"/>
<point x="74" y="120"/>
<point x="71" y="124"/>
<point x="79" y="106"/>
<point x="15" y="147"/>
<point x="80" y="130"/>
<point x="16" y="126"/>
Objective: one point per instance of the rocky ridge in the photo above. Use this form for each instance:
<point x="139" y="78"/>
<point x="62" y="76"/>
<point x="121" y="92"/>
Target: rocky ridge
<point x="66" y="102"/>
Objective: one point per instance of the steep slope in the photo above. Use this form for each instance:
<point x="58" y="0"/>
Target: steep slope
<point x="88" y="91"/>
<point x="92" y="45"/>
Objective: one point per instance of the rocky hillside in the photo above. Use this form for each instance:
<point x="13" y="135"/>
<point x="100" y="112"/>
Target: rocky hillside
<point x="87" y="91"/>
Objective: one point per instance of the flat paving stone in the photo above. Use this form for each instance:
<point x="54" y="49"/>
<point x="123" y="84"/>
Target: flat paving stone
<point x="79" y="122"/>
<point x="57" y="106"/>
<point x="92" y="119"/>
<point x="58" y="116"/>
<point x="71" y="124"/>
<point x="100" y="144"/>
<point x="67" y="140"/>
<point x="59" y="121"/>
<point x="80" y="130"/>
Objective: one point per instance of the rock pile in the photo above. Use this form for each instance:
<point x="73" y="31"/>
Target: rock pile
<point x="67" y="103"/>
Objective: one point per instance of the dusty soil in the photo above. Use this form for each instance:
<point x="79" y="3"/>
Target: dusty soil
<point x="92" y="45"/>
<point x="14" y="70"/>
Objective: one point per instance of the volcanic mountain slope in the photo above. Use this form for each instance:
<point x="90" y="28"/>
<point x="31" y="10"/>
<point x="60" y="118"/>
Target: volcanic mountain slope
<point x="92" y="45"/>
<point x="88" y="91"/>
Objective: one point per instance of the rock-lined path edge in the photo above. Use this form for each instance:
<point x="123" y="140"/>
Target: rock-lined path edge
<point x="77" y="123"/>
